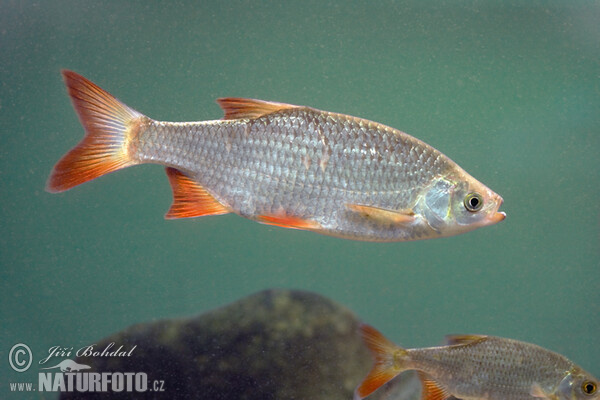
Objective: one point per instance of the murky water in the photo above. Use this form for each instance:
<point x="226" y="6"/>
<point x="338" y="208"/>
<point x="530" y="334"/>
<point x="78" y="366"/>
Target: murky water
<point x="508" y="90"/>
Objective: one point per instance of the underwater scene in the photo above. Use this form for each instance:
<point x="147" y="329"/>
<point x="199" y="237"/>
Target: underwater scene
<point x="389" y="200"/>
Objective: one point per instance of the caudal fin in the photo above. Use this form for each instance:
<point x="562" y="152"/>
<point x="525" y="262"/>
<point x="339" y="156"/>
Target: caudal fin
<point x="109" y="126"/>
<point x="387" y="363"/>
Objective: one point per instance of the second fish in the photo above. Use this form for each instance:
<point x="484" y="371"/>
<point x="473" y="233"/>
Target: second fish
<point x="283" y="165"/>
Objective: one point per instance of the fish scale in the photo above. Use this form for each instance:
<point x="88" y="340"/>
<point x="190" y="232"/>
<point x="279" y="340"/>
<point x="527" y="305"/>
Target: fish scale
<point x="286" y="165"/>
<point x="260" y="159"/>
<point x="494" y="365"/>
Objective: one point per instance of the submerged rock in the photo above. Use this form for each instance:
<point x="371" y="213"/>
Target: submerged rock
<point x="275" y="344"/>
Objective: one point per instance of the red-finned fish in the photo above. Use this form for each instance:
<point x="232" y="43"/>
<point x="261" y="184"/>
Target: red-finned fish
<point x="474" y="367"/>
<point x="283" y="165"/>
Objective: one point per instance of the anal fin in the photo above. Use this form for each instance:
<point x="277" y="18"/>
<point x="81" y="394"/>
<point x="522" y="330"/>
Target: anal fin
<point x="431" y="390"/>
<point x="190" y="199"/>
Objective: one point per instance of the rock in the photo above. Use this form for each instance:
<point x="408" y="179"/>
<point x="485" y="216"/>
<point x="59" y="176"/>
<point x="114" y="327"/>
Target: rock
<point x="275" y="344"/>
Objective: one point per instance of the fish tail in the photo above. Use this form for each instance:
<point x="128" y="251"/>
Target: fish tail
<point x="109" y="128"/>
<point x="389" y="361"/>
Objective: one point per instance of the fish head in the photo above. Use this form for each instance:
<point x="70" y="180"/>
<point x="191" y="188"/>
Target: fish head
<point x="578" y="385"/>
<point x="458" y="203"/>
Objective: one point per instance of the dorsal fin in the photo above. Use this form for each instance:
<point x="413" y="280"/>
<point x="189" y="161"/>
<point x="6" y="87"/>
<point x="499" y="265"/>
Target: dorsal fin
<point x="455" y="340"/>
<point x="236" y="107"/>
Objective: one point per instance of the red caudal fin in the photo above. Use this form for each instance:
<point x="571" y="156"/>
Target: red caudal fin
<point x="388" y="361"/>
<point x="109" y="127"/>
<point x="190" y="199"/>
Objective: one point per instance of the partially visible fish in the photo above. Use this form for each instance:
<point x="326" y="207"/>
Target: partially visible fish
<point x="283" y="165"/>
<point x="474" y="367"/>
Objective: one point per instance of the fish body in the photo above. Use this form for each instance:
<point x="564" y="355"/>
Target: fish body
<point x="473" y="367"/>
<point x="284" y="165"/>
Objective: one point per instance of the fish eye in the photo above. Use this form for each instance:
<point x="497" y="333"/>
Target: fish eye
<point x="588" y="387"/>
<point x="473" y="202"/>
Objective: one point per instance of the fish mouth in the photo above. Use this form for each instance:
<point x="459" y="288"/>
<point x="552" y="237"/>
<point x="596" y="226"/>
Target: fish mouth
<point x="498" y="215"/>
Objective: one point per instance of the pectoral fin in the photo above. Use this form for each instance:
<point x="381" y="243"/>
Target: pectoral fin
<point x="383" y="215"/>
<point x="537" y="391"/>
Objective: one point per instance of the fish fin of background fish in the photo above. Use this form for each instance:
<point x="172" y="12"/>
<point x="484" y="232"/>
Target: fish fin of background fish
<point x="457" y="340"/>
<point x="108" y="125"/>
<point x="236" y="107"/>
<point x="383" y="215"/>
<point x="190" y="199"/>
<point x="387" y="361"/>
<point x="537" y="391"/>
<point x="431" y="390"/>
<point x="288" y="221"/>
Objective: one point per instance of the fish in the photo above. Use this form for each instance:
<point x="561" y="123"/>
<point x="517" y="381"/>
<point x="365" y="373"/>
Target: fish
<point x="471" y="367"/>
<point x="284" y="165"/>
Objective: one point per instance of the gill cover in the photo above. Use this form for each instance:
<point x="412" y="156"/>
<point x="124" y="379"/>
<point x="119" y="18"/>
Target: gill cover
<point x="577" y="385"/>
<point x="437" y="204"/>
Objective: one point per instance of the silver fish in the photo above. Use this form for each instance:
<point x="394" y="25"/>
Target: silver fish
<point x="472" y="367"/>
<point x="284" y="165"/>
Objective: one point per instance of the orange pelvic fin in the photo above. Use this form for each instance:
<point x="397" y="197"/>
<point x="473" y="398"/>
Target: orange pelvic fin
<point x="236" y="107"/>
<point x="109" y="126"/>
<point x="287" y="221"/>
<point x="431" y="390"/>
<point x="190" y="199"/>
<point x="382" y="215"/>
<point x="388" y="360"/>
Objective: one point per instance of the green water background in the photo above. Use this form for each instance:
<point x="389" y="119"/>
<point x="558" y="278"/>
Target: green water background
<point x="509" y="90"/>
